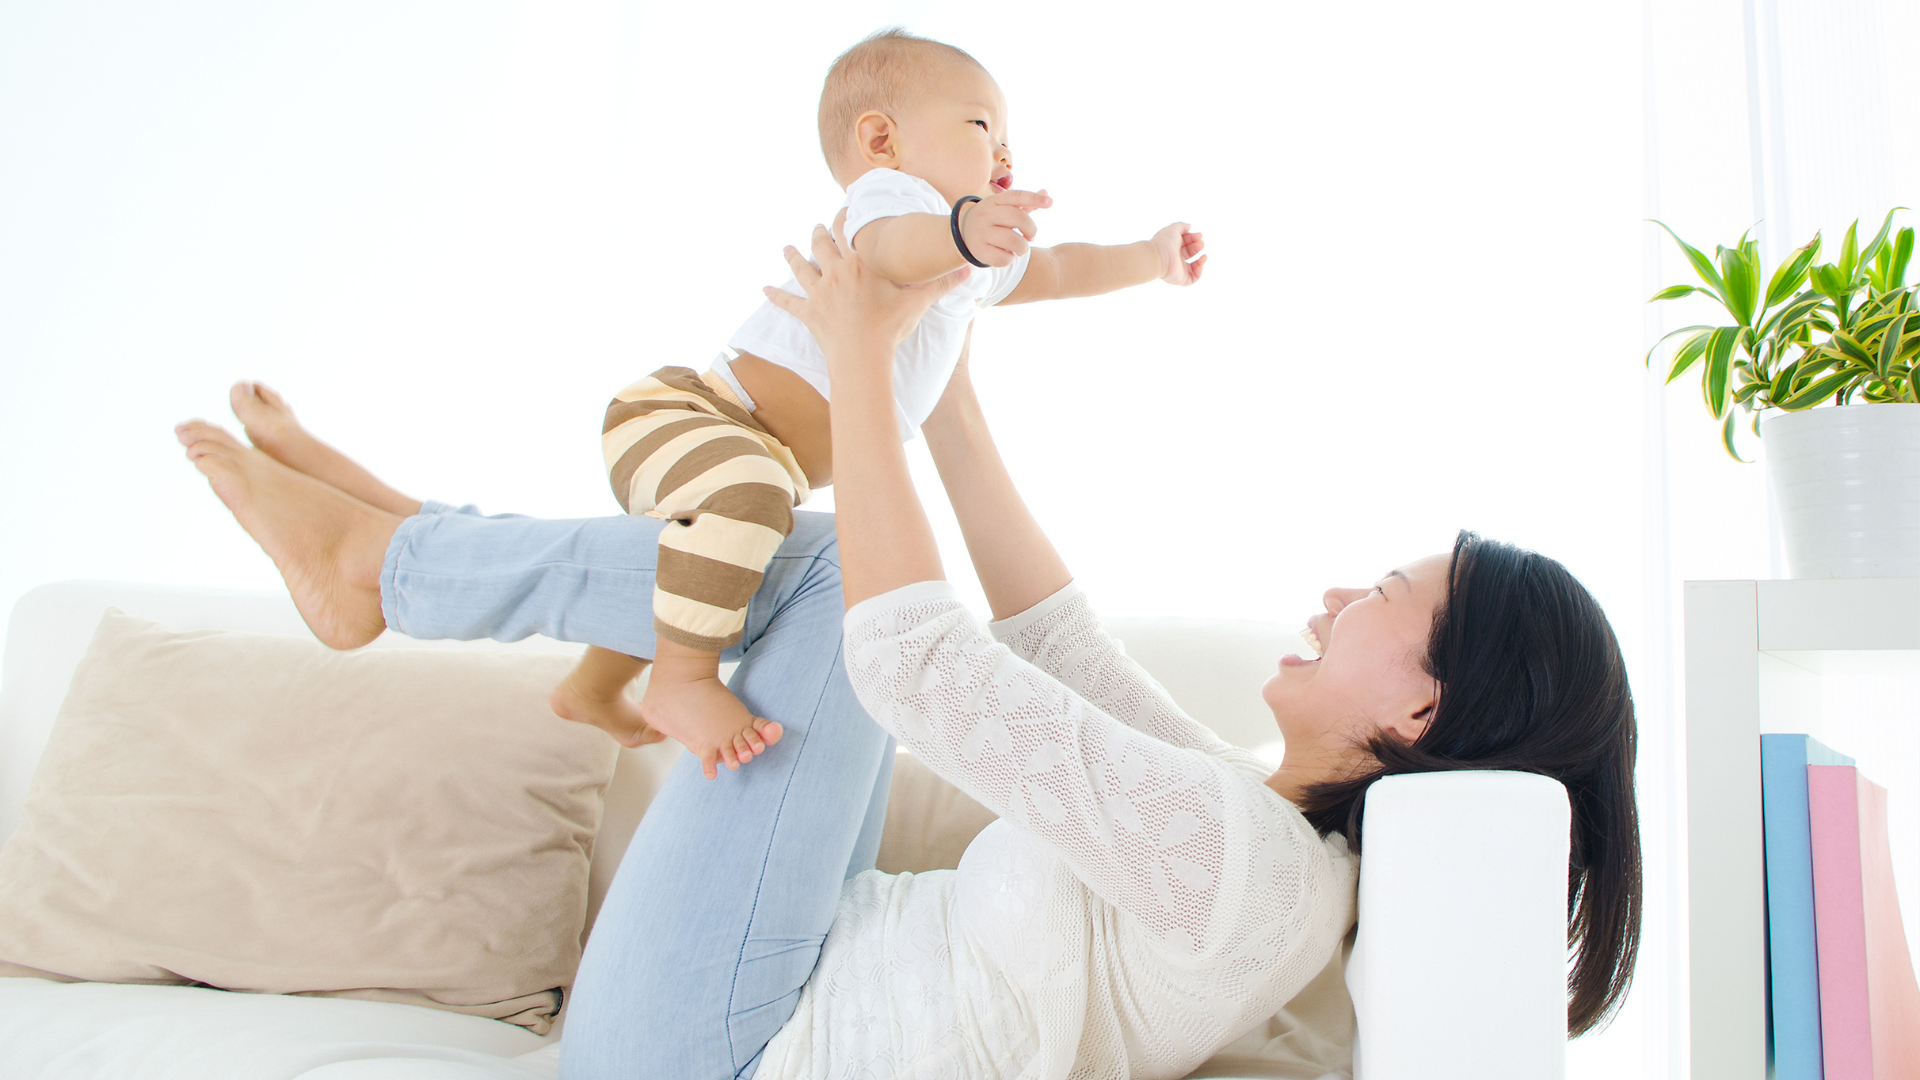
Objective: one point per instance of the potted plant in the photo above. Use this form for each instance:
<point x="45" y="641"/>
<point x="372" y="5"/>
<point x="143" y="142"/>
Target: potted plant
<point x="1843" y="335"/>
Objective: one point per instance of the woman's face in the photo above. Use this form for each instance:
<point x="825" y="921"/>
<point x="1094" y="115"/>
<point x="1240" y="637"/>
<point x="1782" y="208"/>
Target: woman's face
<point x="1370" y="677"/>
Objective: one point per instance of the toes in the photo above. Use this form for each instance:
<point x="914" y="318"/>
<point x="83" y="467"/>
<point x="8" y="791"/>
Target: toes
<point x="200" y="431"/>
<point x="200" y="435"/>
<point x="770" y="730"/>
<point x="272" y="397"/>
<point x="252" y="410"/>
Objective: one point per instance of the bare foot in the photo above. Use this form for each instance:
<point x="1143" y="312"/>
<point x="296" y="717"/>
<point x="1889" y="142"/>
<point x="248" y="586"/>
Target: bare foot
<point x="703" y="715"/>
<point x="616" y="714"/>
<point x="328" y="546"/>
<point x="270" y="425"/>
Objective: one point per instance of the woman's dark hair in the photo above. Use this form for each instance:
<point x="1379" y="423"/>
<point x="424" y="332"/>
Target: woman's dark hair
<point x="1532" y="680"/>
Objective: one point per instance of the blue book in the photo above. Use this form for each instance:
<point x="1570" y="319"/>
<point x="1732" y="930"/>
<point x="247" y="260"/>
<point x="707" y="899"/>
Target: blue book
<point x="1793" y="1043"/>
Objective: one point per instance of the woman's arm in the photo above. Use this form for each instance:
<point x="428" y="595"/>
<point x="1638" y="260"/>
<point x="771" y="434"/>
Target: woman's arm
<point x="858" y="317"/>
<point x="1017" y="564"/>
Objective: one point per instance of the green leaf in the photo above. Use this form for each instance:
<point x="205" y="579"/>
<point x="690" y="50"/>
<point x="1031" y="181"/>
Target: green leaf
<point x="1782" y="380"/>
<point x="1742" y="277"/>
<point x="1672" y="333"/>
<point x="1795" y="309"/>
<point x="1793" y="272"/>
<point x="1689" y="352"/>
<point x="1701" y="264"/>
<point x="1810" y="365"/>
<point x="1850" y="253"/>
<point x="1829" y="281"/>
<point x="1890" y="344"/>
<point x="1726" y="437"/>
<point x="1719" y="357"/>
<point x="1866" y="330"/>
<point x="1851" y="349"/>
<point x="1902" y="251"/>
<point x="1817" y="392"/>
<point x="1785" y="323"/>
<point x="1674" y="292"/>
<point x="1868" y="253"/>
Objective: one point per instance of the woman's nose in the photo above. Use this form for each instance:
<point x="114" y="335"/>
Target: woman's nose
<point x="1335" y="599"/>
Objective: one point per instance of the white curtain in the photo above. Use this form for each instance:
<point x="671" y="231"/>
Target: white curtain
<point x="1773" y="116"/>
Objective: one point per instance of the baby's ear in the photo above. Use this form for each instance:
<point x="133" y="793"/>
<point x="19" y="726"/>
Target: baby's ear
<point x="877" y="138"/>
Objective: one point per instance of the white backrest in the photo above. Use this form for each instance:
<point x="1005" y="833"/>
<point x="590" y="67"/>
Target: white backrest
<point x="1459" y="968"/>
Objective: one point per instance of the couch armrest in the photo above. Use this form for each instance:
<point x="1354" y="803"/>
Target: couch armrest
<point x="1460" y="965"/>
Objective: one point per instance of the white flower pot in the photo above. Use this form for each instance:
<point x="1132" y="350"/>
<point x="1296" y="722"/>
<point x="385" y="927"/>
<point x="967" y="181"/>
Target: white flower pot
<point x="1846" y="483"/>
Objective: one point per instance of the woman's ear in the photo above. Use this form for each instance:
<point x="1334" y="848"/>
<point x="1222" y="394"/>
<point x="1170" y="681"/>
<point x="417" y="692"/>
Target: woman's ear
<point x="1412" y="722"/>
<point x="879" y="140"/>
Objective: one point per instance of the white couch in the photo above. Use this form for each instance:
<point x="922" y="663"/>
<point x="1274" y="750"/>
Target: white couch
<point x="1457" y="971"/>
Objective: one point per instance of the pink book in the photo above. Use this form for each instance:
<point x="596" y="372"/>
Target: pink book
<point x="1869" y="999"/>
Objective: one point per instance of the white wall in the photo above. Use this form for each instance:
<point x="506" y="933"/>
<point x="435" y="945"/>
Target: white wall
<point x="450" y="231"/>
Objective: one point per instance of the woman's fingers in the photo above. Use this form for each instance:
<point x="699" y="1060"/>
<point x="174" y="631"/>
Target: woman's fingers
<point x="839" y="232"/>
<point x="803" y="270"/>
<point x="825" y="252"/>
<point x="795" y="306"/>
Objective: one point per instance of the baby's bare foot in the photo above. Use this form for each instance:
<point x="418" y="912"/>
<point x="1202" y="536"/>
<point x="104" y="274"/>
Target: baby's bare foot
<point x="326" y="545"/>
<point x="616" y="713"/>
<point x="270" y="425"/>
<point x="703" y="715"/>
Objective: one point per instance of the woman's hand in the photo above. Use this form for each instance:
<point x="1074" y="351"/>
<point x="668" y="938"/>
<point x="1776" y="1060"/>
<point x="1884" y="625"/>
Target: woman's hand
<point x="853" y="313"/>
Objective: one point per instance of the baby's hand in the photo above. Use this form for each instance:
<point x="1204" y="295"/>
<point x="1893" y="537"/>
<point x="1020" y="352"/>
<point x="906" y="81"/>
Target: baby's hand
<point x="997" y="228"/>
<point x="1177" y="247"/>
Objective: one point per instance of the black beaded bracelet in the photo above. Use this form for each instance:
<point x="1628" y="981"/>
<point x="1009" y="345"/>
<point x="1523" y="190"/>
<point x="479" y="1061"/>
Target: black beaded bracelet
<point x="953" y="222"/>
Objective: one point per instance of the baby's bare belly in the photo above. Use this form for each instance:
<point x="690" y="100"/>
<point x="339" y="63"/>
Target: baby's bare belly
<point x="786" y="405"/>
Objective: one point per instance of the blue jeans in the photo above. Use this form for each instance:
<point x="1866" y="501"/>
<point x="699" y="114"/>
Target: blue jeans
<point x="717" y="914"/>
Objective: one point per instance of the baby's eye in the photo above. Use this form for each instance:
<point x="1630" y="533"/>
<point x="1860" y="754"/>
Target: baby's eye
<point x="982" y="123"/>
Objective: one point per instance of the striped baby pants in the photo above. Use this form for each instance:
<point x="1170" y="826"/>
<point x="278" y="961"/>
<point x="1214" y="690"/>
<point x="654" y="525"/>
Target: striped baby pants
<point x="686" y="450"/>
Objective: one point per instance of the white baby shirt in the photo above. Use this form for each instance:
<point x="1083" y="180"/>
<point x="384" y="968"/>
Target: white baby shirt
<point x="925" y="360"/>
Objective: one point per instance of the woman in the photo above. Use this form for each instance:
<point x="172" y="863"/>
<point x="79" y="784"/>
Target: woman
<point x="1150" y="892"/>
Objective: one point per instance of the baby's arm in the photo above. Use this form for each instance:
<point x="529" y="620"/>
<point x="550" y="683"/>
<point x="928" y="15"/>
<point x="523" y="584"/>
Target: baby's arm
<point x="1069" y="270"/>
<point x="908" y="249"/>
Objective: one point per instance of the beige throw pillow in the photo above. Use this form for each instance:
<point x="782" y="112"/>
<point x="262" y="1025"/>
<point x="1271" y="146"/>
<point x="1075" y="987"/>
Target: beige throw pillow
<point x="260" y="813"/>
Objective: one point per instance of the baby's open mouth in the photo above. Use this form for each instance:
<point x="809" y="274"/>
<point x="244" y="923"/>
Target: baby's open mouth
<point x="1004" y="183"/>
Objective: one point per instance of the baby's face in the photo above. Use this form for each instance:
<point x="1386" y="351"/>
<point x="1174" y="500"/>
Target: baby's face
<point x="955" y="136"/>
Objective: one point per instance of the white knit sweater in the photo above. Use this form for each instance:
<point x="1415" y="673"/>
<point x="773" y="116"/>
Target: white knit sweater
<point x="1144" y="899"/>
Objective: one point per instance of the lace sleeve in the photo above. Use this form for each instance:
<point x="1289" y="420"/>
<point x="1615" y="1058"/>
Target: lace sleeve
<point x="1062" y="637"/>
<point x="1202" y="856"/>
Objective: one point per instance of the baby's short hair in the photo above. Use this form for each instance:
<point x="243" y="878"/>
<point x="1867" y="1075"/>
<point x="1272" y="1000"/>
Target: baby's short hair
<point x="882" y="71"/>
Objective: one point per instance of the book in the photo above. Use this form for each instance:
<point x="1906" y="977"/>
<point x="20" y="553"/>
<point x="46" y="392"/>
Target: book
<point x="1869" y="998"/>
<point x="1793" y="1041"/>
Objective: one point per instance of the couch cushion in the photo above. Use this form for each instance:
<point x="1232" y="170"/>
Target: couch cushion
<point x="96" y="1031"/>
<point x="261" y="813"/>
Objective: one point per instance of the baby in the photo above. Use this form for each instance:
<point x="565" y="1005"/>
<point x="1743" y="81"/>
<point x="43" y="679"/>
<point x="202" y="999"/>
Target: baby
<point x="916" y="132"/>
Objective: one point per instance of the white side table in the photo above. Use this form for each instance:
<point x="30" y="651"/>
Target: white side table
<point x="1757" y="656"/>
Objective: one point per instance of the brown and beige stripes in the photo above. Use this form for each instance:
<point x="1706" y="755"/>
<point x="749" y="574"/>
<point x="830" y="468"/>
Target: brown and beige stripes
<point x="684" y="449"/>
